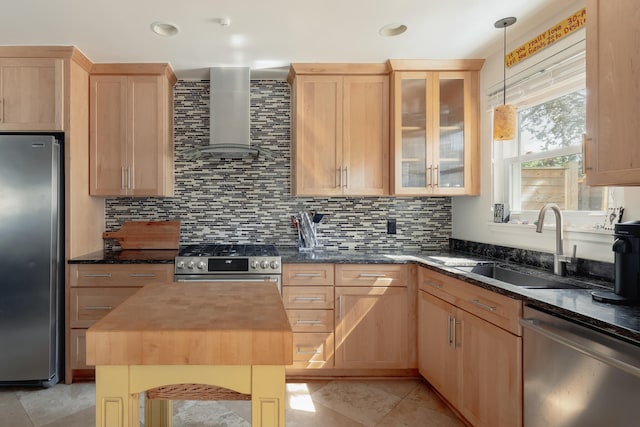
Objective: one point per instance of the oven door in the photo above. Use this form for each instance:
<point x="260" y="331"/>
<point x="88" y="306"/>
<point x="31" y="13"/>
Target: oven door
<point x="244" y="278"/>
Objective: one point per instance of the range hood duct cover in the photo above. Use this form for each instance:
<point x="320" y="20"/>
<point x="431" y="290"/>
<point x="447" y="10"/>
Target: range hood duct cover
<point x="229" y="116"/>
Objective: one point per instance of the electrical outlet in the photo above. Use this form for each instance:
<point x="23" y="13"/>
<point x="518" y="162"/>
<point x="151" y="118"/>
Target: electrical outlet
<point x="391" y="226"/>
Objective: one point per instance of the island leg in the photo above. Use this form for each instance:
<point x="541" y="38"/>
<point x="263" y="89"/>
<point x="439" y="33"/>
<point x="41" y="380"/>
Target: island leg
<point x="267" y="396"/>
<point x="115" y="405"/>
<point x="158" y="413"/>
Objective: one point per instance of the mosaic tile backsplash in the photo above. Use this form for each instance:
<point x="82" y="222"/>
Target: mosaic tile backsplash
<point x="249" y="201"/>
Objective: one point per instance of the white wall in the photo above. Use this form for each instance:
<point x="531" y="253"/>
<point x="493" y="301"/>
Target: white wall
<point x="472" y="216"/>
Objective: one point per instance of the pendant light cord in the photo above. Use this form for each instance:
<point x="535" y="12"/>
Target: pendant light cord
<point x="504" y="67"/>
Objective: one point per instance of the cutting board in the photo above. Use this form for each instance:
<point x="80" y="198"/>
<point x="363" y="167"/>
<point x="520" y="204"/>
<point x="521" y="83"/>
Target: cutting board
<point x="147" y="235"/>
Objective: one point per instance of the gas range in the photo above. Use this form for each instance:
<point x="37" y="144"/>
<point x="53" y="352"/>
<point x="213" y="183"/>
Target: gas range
<point x="228" y="262"/>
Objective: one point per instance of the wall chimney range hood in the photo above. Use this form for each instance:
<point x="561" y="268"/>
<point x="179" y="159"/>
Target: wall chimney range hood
<point x="229" y="117"/>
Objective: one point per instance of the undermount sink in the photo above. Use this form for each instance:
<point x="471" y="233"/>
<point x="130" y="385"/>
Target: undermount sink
<point x="516" y="278"/>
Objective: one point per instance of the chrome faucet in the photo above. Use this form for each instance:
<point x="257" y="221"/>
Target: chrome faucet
<point x="559" y="260"/>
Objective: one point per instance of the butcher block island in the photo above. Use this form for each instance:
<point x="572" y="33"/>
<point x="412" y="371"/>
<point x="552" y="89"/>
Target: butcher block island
<point x="235" y="336"/>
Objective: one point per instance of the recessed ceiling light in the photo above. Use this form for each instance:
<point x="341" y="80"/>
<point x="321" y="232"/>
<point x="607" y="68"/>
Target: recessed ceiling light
<point x="164" y="29"/>
<point x="223" y="22"/>
<point x="391" y="30"/>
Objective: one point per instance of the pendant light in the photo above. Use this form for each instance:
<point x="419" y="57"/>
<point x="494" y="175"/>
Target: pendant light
<point x="504" y="116"/>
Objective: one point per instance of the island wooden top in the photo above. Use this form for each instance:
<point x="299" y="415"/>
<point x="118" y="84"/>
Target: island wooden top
<point x="200" y="323"/>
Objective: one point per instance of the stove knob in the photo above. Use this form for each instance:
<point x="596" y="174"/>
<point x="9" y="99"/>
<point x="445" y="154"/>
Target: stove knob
<point x="255" y="264"/>
<point x="191" y="265"/>
<point x="274" y="265"/>
<point x="201" y="265"/>
<point x="264" y="264"/>
<point x="180" y="265"/>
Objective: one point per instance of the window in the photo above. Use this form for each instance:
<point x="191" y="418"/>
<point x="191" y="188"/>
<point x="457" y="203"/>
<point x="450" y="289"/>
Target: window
<point x="544" y="163"/>
<point x="548" y="164"/>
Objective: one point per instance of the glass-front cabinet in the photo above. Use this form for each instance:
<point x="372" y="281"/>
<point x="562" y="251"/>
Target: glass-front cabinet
<point x="435" y="133"/>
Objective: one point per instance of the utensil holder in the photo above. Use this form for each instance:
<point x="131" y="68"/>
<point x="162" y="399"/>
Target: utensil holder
<point x="307" y="233"/>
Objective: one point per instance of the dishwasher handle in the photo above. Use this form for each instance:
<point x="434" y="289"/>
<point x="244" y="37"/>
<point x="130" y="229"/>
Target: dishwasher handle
<point x="590" y="346"/>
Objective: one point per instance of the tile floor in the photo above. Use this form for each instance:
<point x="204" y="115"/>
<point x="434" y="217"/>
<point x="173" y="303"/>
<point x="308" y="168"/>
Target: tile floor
<point x="383" y="403"/>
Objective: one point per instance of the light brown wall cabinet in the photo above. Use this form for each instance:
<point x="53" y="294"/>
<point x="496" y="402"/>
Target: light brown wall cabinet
<point x="375" y="317"/>
<point x="131" y="131"/>
<point x="31" y="94"/>
<point x="340" y="131"/>
<point x="435" y="128"/>
<point x="613" y="101"/>
<point x="307" y="291"/>
<point x="470" y="348"/>
<point x="94" y="290"/>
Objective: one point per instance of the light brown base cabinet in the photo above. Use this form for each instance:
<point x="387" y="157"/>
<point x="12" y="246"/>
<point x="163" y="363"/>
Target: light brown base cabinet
<point x="94" y="290"/>
<point x="307" y="292"/>
<point x="470" y="348"/>
<point x="371" y="330"/>
<point x="351" y="319"/>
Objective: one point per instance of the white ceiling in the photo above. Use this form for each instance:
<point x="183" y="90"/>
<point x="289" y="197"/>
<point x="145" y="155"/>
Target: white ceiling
<point x="268" y="33"/>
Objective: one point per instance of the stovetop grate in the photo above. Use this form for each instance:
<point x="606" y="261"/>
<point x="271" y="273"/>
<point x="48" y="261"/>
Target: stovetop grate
<point x="228" y="250"/>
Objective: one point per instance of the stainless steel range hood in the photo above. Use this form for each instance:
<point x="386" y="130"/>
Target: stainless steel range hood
<point x="229" y="117"/>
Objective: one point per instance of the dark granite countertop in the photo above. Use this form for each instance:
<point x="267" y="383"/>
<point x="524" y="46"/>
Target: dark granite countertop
<point x="574" y="304"/>
<point x="138" y="256"/>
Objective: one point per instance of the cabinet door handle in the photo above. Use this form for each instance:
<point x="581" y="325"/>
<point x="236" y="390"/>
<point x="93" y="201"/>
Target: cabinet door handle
<point x="307" y="299"/>
<point x="308" y="322"/>
<point x="435" y="176"/>
<point x="308" y="275"/>
<point x="98" y="307"/>
<point x="340" y="183"/>
<point x="128" y="178"/>
<point x="1" y="110"/>
<point x="449" y="331"/>
<point x="98" y="275"/>
<point x="585" y="153"/>
<point x="453" y="332"/>
<point x="434" y="284"/>
<point x="142" y="275"/>
<point x="299" y="351"/>
<point x="429" y="176"/>
<point x="372" y="275"/>
<point x="122" y="183"/>
<point x="346" y="177"/>
<point x="340" y="307"/>
<point x="483" y="306"/>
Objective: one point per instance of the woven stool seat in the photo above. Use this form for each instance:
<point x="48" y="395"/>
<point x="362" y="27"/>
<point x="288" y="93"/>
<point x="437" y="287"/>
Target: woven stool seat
<point x="195" y="392"/>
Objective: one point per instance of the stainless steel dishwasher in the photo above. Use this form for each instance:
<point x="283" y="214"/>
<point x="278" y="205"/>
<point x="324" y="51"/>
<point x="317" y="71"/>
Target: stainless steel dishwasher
<point x="577" y="376"/>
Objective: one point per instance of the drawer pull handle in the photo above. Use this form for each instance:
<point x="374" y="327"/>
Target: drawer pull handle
<point x="308" y="322"/>
<point x="308" y="275"/>
<point x="299" y="351"/>
<point x="434" y="284"/>
<point x="98" y="275"/>
<point x="483" y="306"/>
<point x="142" y="275"/>
<point x="308" y="299"/>
<point x="372" y="275"/>
<point x="98" y="307"/>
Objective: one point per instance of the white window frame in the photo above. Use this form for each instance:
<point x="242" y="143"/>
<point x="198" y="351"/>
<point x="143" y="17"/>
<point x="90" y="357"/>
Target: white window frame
<point x="554" y="76"/>
<point x="513" y="185"/>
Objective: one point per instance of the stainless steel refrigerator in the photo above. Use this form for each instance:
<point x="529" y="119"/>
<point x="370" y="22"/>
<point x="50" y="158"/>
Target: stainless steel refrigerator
<point x="31" y="259"/>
